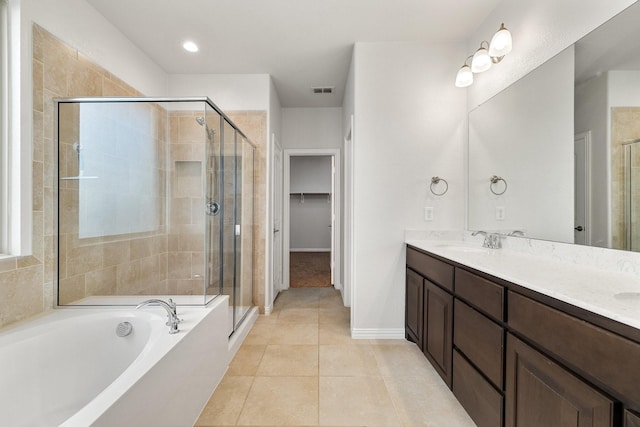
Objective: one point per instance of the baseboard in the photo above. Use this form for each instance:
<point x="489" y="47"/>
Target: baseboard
<point x="380" y="334"/>
<point x="310" y="250"/>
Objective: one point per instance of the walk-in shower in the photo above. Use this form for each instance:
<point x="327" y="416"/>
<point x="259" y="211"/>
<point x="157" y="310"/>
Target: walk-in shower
<point x="155" y="199"/>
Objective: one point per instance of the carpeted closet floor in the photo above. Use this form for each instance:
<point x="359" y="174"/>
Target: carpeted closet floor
<point x="310" y="269"/>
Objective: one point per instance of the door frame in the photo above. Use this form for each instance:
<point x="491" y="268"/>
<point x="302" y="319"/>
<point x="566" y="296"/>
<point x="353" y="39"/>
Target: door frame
<point x="336" y="197"/>
<point x="584" y="139"/>
<point x="275" y="288"/>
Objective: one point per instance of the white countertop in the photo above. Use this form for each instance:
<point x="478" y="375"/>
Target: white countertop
<point x="594" y="289"/>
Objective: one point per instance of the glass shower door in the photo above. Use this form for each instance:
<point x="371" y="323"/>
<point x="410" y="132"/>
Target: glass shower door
<point x="213" y="200"/>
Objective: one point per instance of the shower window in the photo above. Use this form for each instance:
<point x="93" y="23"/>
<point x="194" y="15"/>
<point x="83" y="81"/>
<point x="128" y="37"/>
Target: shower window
<point x="117" y="170"/>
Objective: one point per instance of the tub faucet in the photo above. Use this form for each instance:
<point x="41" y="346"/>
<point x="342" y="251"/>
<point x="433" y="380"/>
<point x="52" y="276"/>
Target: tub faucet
<point x="172" y="317"/>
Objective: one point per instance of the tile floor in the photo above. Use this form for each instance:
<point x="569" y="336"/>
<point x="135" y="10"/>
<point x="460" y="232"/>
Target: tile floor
<point x="300" y="367"/>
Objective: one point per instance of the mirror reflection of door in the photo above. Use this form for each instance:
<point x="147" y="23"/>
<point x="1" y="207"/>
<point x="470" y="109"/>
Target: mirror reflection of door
<point x="581" y="183"/>
<point x="277" y="219"/>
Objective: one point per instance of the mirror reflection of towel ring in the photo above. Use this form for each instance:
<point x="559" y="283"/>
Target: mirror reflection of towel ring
<point x="494" y="180"/>
<point x="435" y="181"/>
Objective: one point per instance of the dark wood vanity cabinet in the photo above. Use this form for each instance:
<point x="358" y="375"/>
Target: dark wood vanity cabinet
<point x="631" y="419"/>
<point x="542" y="393"/>
<point x="438" y="328"/>
<point x="429" y="301"/>
<point x="478" y="338"/>
<point x="414" y="307"/>
<point x="516" y="358"/>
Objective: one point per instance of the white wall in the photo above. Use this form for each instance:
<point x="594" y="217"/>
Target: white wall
<point x="525" y="135"/>
<point x="312" y="128"/>
<point x="409" y="126"/>
<point x="540" y="29"/>
<point x="230" y="92"/>
<point x="591" y="114"/>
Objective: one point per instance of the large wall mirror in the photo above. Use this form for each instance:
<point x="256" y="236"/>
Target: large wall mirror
<point x="556" y="155"/>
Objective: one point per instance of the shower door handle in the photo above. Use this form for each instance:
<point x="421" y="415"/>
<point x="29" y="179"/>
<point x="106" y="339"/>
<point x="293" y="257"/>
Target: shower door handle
<point x="212" y="208"/>
<point x="579" y="228"/>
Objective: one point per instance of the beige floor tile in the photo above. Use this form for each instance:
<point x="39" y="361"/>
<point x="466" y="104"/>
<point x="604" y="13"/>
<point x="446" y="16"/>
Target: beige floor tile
<point x="259" y="335"/>
<point x="246" y="360"/>
<point x="289" y="360"/>
<point x="356" y="401"/>
<point x="294" y="333"/>
<point x="347" y="361"/>
<point x="281" y="401"/>
<point x="298" y="315"/>
<point x="401" y="360"/>
<point x="333" y="333"/>
<point x="333" y="300"/>
<point x="334" y="315"/>
<point x="426" y="401"/>
<point x="226" y="403"/>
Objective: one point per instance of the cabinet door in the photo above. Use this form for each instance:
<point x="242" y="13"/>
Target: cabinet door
<point x="631" y="419"/>
<point x="438" y="329"/>
<point x="414" y="302"/>
<point x="540" y="392"/>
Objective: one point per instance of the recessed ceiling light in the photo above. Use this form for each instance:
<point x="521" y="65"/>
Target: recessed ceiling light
<point x="190" y="46"/>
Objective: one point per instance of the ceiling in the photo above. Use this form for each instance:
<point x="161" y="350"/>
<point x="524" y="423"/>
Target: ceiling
<point x="300" y="43"/>
<point x="612" y="46"/>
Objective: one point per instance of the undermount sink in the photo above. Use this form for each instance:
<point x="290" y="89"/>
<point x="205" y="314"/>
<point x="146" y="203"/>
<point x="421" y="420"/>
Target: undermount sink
<point x="627" y="295"/>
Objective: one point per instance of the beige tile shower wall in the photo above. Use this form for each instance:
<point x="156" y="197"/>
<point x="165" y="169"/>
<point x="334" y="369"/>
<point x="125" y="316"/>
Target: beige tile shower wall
<point x="187" y="218"/>
<point x="625" y="126"/>
<point x="254" y="126"/>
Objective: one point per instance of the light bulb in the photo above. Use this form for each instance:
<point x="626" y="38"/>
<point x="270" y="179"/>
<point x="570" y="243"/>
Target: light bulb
<point x="190" y="46"/>
<point x="464" y="77"/>
<point x="501" y="43"/>
<point x="481" y="60"/>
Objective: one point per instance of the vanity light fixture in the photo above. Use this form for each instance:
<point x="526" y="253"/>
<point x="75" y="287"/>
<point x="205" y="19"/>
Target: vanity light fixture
<point x="487" y="54"/>
<point x="465" y="75"/>
<point x="481" y="61"/>
<point x="190" y="46"/>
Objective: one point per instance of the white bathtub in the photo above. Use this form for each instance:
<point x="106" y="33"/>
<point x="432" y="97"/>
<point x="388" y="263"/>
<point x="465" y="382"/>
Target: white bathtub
<point x="70" y="368"/>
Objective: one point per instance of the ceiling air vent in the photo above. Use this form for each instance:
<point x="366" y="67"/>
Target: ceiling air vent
<point x="328" y="89"/>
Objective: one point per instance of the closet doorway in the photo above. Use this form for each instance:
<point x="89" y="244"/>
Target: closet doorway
<point x="311" y="223"/>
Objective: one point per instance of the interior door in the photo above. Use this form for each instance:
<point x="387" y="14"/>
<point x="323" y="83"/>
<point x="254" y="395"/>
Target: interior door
<point x="581" y="186"/>
<point x="277" y="220"/>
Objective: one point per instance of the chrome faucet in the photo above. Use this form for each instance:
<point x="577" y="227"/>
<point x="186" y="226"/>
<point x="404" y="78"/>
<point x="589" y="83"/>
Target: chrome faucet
<point x="491" y="240"/>
<point x="172" y="317"/>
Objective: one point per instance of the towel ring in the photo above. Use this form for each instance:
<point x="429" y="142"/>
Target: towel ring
<point x="494" y="180"/>
<point x="436" y="180"/>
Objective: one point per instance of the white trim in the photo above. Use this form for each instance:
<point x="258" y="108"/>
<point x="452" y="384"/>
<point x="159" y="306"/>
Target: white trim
<point x="16" y="144"/>
<point x="381" y="334"/>
<point x="239" y="335"/>
<point x="288" y="153"/>
<point x="309" y="249"/>
<point x="586" y="137"/>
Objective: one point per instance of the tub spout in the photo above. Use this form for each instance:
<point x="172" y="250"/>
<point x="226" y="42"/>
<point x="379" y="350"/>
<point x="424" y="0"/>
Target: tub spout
<point x="172" y="317"/>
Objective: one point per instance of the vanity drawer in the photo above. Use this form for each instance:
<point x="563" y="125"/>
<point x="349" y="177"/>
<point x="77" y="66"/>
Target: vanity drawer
<point x="435" y="270"/>
<point x="481" y="293"/>
<point x="480" y="339"/>
<point x="482" y="402"/>
<point x="607" y="359"/>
